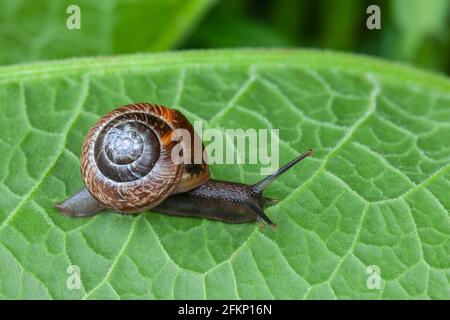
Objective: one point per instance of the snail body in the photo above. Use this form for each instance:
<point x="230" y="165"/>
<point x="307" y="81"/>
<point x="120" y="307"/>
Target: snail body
<point x="126" y="166"/>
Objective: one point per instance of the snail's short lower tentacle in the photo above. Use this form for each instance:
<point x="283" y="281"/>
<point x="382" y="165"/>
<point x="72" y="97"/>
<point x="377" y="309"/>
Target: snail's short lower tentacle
<point x="268" y="202"/>
<point x="261" y="214"/>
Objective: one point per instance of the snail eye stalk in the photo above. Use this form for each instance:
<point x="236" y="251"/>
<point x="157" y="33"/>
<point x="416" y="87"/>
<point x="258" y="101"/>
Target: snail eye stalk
<point x="258" y="188"/>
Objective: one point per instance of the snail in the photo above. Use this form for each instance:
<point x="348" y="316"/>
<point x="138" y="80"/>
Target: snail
<point x="126" y="164"/>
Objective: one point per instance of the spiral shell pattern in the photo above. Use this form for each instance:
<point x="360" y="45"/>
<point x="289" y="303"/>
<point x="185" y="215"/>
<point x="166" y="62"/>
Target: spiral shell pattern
<point x="126" y="158"/>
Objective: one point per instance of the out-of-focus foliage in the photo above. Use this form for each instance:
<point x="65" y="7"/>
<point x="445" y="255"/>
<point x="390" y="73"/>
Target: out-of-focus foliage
<point x="36" y="29"/>
<point x="423" y="29"/>
<point x="415" y="31"/>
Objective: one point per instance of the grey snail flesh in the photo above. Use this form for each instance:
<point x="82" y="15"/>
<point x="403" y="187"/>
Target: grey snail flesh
<point x="217" y="200"/>
<point x="207" y="201"/>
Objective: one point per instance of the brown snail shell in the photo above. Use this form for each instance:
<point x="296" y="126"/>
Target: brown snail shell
<point x="126" y="158"/>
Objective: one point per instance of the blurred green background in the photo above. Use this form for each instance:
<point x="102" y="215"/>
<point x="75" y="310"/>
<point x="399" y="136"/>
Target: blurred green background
<point x="414" y="31"/>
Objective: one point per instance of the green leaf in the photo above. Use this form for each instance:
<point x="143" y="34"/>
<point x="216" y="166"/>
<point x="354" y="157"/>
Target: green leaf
<point x="36" y="29"/>
<point x="374" y="194"/>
